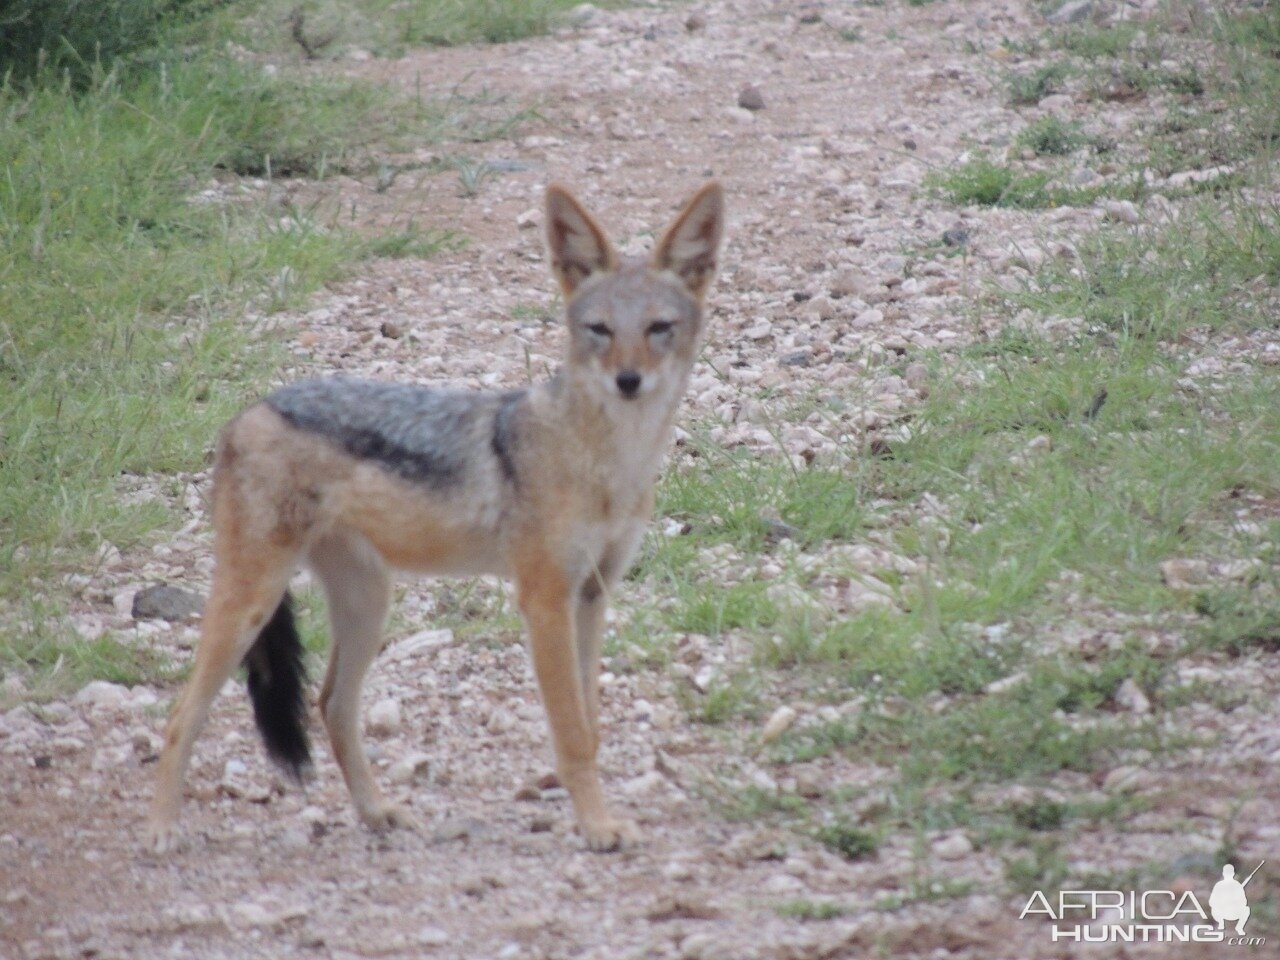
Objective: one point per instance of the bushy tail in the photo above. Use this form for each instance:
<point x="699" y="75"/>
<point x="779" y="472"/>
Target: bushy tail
<point x="276" y="687"/>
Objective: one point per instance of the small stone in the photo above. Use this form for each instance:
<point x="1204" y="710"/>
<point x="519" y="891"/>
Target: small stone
<point x="778" y="724"/>
<point x="952" y="846"/>
<point x="431" y="937"/>
<point x="583" y="14"/>
<point x="409" y="768"/>
<point x="695" y="22"/>
<point x="797" y="358"/>
<point x="528" y="793"/>
<point x="758" y="330"/>
<point x="541" y="824"/>
<point x="500" y="720"/>
<point x="848" y="282"/>
<point x="384" y="718"/>
<point x="1181" y="574"/>
<point x="1074" y="11"/>
<point x="1129" y="696"/>
<point x="101" y="694"/>
<point x="783" y="883"/>
<point x="916" y="375"/>
<point x="548" y="781"/>
<point x="1125" y="780"/>
<point x="955" y="237"/>
<point x="750" y="98"/>
<point x="808" y="787"/>
<point x="166" y="602"/>
<point x="391" y="330"/>
<point x="529" y="219"/>
<point x="1122" y="211"/>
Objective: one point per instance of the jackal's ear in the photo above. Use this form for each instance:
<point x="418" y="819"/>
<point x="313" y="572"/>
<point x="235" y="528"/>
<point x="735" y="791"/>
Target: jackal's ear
<point x="691" y="246"/>
<point x="576" y="244"/>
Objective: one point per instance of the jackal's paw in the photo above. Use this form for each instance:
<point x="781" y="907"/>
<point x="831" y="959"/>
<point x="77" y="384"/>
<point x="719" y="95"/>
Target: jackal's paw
<point x="387" y="816"/>
<point x="609" y="835"/>
<point x="160" y="838"/>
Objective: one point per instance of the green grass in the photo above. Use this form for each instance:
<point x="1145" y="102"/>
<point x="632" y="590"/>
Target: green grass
<point x="331" y="28"/>
<point x="1031" y="88"/>
<point x="1052" y="136"/>
<point x="986" y="183"/>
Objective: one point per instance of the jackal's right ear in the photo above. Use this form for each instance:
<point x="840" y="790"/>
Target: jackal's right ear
<point x="691" y="246"/>
<point x="576" y="244"/>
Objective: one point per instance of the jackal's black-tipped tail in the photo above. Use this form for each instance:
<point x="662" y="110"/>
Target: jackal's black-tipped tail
<point x="276" y="687"/>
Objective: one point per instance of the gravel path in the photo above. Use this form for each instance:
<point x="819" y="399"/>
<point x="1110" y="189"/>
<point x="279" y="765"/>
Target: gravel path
<point x="835" y="261"/>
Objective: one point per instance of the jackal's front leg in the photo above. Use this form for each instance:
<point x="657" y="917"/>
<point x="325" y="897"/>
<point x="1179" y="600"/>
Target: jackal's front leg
<point x="547" y="603"/>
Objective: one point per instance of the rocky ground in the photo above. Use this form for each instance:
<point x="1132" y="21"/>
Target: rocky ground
<point x="836" y="259"/>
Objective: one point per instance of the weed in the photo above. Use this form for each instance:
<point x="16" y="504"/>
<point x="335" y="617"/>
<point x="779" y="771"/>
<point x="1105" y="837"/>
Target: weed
<point x="1031" y="88"/>
<point x="852" y="843"/>
<point x="810" y="910"/>
<point x="1052" y="136"/>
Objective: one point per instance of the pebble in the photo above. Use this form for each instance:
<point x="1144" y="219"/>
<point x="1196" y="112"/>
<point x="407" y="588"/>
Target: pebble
<point x="778" y="724"/>
<point x="1121" y="211"/>
<point x="1129" y="696"/>
<point x="1181" y="574"/>
<point x="750" y="98"/>
<point x="384" y="718"/>
<point x="166" y="602"/>
<point x="952" y="846"/>
<point x="101" y="695"/>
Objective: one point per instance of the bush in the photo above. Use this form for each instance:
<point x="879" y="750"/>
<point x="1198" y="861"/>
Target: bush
<point x="78" y="36"/>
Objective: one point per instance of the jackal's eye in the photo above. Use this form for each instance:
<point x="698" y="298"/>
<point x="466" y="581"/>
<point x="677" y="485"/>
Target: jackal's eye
<point x="659" y="327"/>
<point x="600" y="330"/>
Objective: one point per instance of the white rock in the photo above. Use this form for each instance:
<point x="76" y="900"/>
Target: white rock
<point x="431" y="937"/>
<point x="419" y="642"/>
<point x="500" y="720"/>
<point x="758" y="330"/>
<point x="101" y="694"/>
<point x="384" y="718"/>
<point x="1123" y="211"/>
<point x="952" y="846"/>
<point x="778" y="724"/>
<point x="530" y="218"/>
<point x="409" y="768"/>
<point x="1129" y="696"/>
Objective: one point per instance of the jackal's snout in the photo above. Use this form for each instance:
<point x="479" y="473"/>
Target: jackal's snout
<point x="628" y="382"/>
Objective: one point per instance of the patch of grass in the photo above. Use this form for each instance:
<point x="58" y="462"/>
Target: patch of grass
<point x="329" y="28"/>
<point x="985" y="183"/>
<point x="1027" y="89"/>
<point x="1239" y="620"/>
<point x="1052" y="136"/>
<point x="412" y="241"/>
<point x="852" y="843"/>
<point x="52" y="660"/>
<point x="810" y="910"/>
<point x="1095" y="43"/>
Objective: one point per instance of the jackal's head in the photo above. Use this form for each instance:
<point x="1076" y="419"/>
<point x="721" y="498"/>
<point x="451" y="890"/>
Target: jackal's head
<point x="635" y="324"/>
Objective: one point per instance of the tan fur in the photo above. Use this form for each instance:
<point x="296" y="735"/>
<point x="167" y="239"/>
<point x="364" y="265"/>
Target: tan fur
<point x="589" y="454"/>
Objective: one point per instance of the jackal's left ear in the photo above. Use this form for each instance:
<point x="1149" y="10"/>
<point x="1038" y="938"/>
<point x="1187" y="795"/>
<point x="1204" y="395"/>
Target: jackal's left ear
<point x="691" y="246"/>
<point x="576" y="244"/>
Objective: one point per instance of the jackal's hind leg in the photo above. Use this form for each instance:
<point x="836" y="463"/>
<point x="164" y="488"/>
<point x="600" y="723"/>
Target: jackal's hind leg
<point x="358" y="589"/>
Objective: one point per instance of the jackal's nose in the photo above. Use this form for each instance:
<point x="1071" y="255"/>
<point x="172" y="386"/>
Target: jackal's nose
<point x="628" y="382"/>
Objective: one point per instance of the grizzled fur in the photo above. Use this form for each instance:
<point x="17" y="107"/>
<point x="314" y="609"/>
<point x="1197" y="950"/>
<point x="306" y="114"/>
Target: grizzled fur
<point x="421" y="434"/>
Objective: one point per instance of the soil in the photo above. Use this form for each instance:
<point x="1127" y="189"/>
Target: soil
<point x="836" y="260"/>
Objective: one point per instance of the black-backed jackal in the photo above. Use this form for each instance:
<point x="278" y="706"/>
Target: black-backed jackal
<point x="550" y="486"/>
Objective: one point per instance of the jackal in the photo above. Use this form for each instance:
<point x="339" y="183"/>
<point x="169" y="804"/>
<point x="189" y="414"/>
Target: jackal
<point x="550" y="486"/>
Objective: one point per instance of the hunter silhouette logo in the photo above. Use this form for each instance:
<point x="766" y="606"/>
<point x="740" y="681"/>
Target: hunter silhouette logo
<point x="1149" y="916"/>
<point x="1228" y="900"/>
